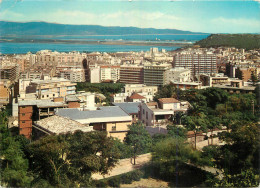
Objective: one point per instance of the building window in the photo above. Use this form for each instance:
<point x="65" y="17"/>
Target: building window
<point x="42" y="96"/>
<point x="53" y="95"/>
<point x="47" y="95"/>
<point x="143" y="111"/>
<point x="23" y="114"/>
<point x="23" y="121"/>
<point x="114" y="128"/>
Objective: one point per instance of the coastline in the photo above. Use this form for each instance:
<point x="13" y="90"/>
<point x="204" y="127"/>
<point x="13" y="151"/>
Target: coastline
<point x="102" y="42"/>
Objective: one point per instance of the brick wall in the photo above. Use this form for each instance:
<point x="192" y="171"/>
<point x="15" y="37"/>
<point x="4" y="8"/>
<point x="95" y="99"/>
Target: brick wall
<point x="25" y="120"/>
<point x="73" y="105"/>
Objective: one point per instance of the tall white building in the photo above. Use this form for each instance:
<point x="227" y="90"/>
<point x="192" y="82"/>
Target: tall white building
<point x="110" y="73"/>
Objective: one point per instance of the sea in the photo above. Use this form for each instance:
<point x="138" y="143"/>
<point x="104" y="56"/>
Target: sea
<point x="22" y="48"/>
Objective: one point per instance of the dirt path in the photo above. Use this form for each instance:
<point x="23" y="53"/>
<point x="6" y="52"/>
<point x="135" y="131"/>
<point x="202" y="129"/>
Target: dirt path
<point x="150" y="182"/>
<point x="201" y="144"/>
<point x="125" y="165"/>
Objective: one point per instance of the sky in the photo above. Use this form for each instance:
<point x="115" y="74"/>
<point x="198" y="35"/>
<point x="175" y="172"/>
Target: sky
<point x="208" y="16"/>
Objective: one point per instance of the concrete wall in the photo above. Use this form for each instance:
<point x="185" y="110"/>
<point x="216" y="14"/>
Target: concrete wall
<point x="146" y="115"/>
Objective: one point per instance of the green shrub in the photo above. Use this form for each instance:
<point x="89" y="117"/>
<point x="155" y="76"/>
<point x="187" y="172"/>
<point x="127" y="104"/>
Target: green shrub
<point x="100" y="183"/>
<point x="114" y="182"/>
<point x="137" y="175"/>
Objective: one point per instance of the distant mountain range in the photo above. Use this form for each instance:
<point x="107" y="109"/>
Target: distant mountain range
<point x="16" y="29"/>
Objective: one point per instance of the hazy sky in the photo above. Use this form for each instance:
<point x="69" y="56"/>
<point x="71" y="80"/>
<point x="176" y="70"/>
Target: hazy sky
<point x="205" y="15"/>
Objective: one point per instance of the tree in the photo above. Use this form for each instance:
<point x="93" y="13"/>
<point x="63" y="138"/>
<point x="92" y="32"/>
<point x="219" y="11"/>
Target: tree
<point x="197" y="124"/>
<point x="125" y="151"/>
<point x="213" y="123"/>
<point x="215" y="96"/>
<point x="247" y="178"/>
<point x="239" y="74"/>
<point x="175" y="131"/>
<point x="167" y="91"/>
<point x="254" y="78"/>
<point x="139" y="139"/>
<point x="171" y="153"/>
<point x="71" y="158"/>
<point x="14" y="165"/>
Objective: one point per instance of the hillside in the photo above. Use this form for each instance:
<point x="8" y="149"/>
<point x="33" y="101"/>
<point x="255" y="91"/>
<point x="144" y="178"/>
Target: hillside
<point x="246" y="41"/>
<point x="43" y="28"/>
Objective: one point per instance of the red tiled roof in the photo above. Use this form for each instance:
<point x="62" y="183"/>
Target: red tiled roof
<point x="151" y="104"/>
<point x="168" y="100"/>
<point x="136" y="96"/>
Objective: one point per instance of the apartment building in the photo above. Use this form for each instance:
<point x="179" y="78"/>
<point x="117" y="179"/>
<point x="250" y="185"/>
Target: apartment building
<point x="47" y="57"/>
<point x="178" y="74"/>
<point x="131" y="74"/>
<point x="94" y="75"/>
<point x="5" y="92"/>
<point x="215" y="79"/>
<point x="45" y="89"/>
<point x="32" y="110"/>
<point x="186" y="85"/>
<point x="198" y="63"/>
<point x="9" y="71"/>
<point x="155" y="74"/>
<point x="74" y="75"/>
<point x="140" y="88"/>
<point x="159" y="114"/>
<point x="109" y="73"/>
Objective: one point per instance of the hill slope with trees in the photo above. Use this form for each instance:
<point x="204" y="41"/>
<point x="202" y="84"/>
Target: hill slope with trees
<point x="246" y="41"/>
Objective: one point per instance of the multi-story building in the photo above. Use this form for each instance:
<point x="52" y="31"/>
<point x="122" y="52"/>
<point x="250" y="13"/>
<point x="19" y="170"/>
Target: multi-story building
<point x="131" y="74"/>
<point x="140" y="88"/>
<point x="74" y="75"/>
<point x="94" y="75"/>
<point x="178" y="74"/>
<point x="159" y="114"/>
<point x="110" y="73"/>
<point x="111" y="119"/>
<point x="9" y="72"/>
<point x="198" y="63"/>
<point x="186" y="85"/>
<point x="5" y="92"/>
<point x="155" y="74"/>
<point x="32" y="110"/>
<point x="45" y="89"/>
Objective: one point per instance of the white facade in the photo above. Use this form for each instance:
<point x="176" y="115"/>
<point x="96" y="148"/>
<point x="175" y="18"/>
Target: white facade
<point x="87" y="100"/>
<point x="110" y="73"/>
<point x="120" y="97"/>
<point x="178" y="74"/>
<point x="141" y="88"/>
<point x="95" y="75"/>
<point x="152" y="115"/>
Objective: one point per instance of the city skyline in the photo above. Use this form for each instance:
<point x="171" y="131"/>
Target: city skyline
<point x="197" y="16"/>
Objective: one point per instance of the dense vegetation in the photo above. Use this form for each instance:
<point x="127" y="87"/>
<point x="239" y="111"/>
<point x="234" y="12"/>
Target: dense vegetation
<point x="246" y="41"/>
<point x="212" y="108"/>
<point x="105" y="88"/>
<point x="65" y="160"/>
<point x="69" y="159"/>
